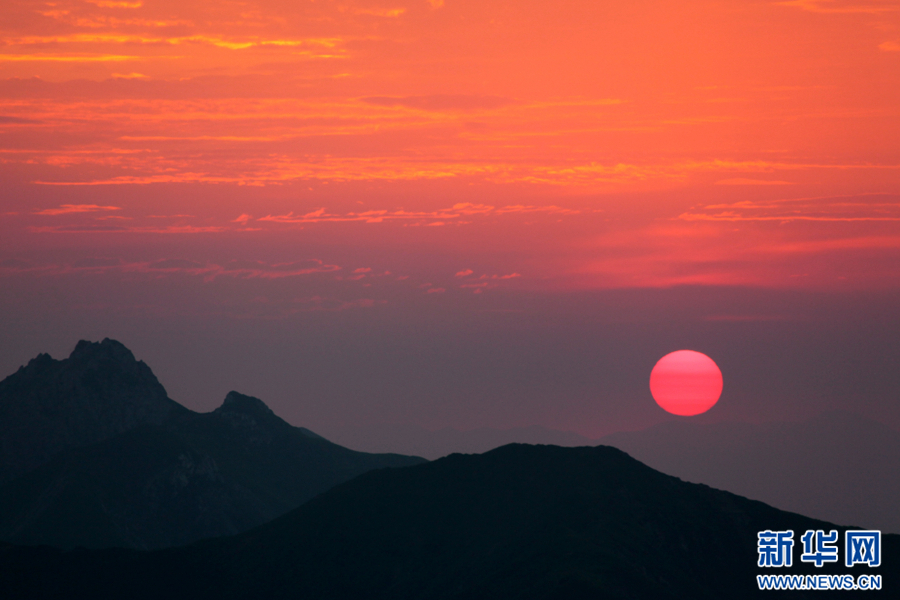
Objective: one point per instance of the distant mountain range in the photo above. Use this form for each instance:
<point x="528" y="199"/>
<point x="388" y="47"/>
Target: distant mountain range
<point x="429" y="444"/>
<point x="93" y="453"/>
<point x="520" y="522"/>
<point x="837" y="466"/>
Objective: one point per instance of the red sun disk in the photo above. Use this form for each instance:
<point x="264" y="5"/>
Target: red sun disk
<point x="686" y="383"/>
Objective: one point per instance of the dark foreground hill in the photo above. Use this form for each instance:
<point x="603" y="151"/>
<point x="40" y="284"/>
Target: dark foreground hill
<point x="837" y="466"/>
<point x="519" y="522"/>
<point x="160" y="475"/>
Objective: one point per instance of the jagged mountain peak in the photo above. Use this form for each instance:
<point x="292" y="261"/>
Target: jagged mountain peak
<point x="52" y="405"/>
<point x="108" y="349"/>
<point x="38" y="363"/>
<point x="237" y="402"/>
<point x="110" y="355"/>
<point x="250" y="409"/>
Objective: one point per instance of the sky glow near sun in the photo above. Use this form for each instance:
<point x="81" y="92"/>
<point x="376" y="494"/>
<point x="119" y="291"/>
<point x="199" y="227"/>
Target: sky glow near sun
<point x="370" y="150"/>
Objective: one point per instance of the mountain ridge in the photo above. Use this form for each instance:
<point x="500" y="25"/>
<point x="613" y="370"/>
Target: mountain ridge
<point x="523" y="522"/>
<point x="158" y="474"/>
<point x="837" y="465"/>
<point x="99" y="391"/>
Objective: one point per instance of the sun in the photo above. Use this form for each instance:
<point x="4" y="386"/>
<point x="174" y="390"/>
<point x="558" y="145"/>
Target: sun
<point x="686" y="383"/>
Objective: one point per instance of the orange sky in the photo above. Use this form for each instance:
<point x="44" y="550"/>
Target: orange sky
<point x="361" y="152"/>
<point x="759" y="133"/>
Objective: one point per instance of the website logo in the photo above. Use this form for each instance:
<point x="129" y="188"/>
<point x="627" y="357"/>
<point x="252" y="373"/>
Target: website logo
<point x="862" y="548"/>
<point x="775" y="549"/>
<point x="819" y="548"/>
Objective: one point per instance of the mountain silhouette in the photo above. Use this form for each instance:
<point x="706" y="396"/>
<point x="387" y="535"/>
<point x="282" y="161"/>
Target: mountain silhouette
<point x="160" y="475"/>
<point x="519" y="522"/>
<point x="837" y="466"/>
<point x="412" y="439"/>
<point x="52" y="405"/>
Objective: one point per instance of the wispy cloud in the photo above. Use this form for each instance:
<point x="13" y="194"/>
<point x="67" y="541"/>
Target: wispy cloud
<point x="105" y="227"/>
<point x="116" y="4"/>
<point x="748" y="181"/>
<point x="441" y="102"/>
<point x="87" y="58"/>
<point x="836" y="209"/>
<point x="209" y="271"/>
<point x="509" y="276"/>
<point x="261" y="270"/>
<point x="842" y="6"/>
<point x="10" y="120"/>
<point x="66" y="209"/>
<point x="332" y="44"/>
<point x="381" y="12"/>
<point x="457" y="211"/>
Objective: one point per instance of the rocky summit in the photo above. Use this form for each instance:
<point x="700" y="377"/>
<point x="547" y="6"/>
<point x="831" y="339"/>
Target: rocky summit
<point x="96" y="455"/>
<point x="49" y="406"/>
